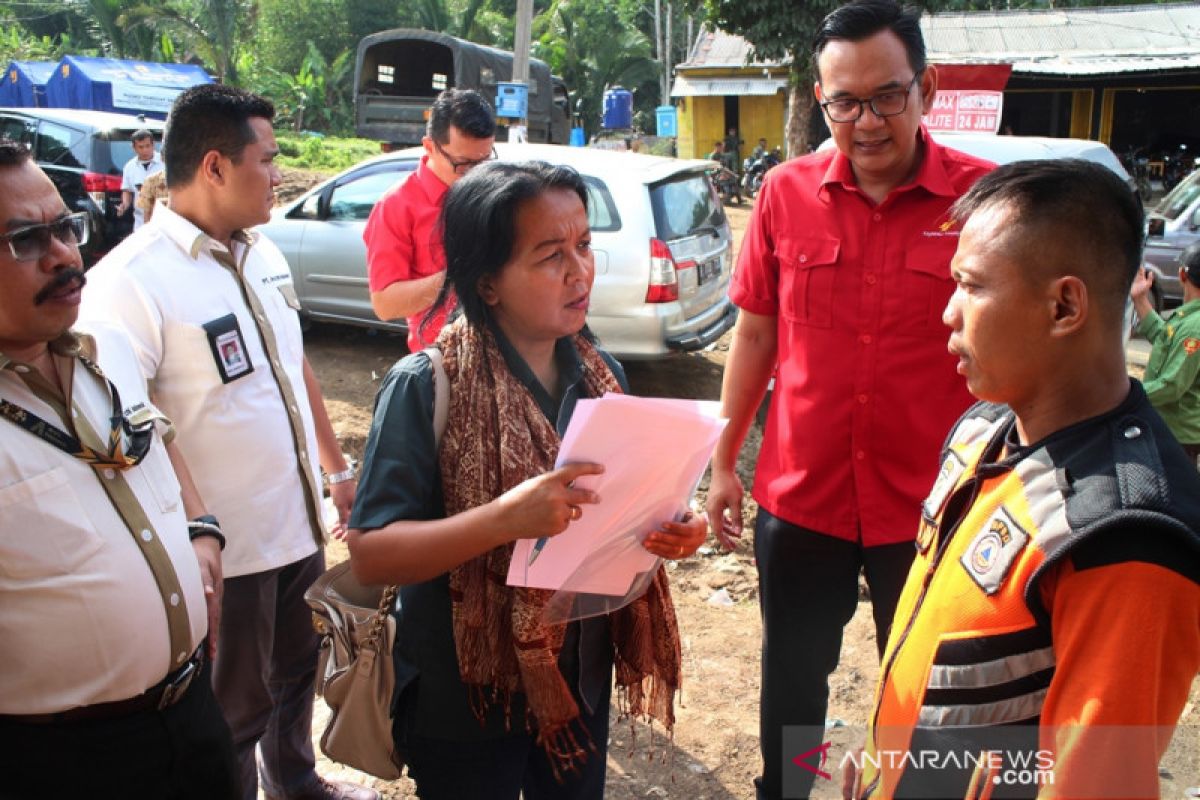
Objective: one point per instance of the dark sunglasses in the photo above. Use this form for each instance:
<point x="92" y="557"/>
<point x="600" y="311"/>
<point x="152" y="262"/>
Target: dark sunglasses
<point x="33" y="241"/>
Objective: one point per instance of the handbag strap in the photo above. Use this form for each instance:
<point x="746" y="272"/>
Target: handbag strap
<point x="441" y="413"/>
<point x="441" y="393"/>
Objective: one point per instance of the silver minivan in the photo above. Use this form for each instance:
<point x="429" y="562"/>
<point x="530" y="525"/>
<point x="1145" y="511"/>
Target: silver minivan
<point x="662" y="244"/>
<point x="1170" y="228"/>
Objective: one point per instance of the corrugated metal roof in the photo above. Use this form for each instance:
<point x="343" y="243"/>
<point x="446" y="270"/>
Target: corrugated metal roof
<point x="721" y="49"/>
<point x="1075" y="41"/>
<point x="686" y="86"/>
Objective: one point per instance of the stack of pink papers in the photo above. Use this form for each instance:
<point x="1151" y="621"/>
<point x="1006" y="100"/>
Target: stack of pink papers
<point x="654" y="452"/>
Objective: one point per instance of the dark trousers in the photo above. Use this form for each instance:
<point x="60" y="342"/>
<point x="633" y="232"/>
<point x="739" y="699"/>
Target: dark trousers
<point x="265" y="669"/>
<point x="808" y="591"/>
<point x="509" y="767"/>
<point x="180" y="753"/>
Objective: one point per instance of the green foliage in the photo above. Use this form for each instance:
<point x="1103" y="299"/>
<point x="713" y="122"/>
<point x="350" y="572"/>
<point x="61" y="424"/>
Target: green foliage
<point x="286" y="24"/>
<point x="16" y="43"/>
<point x="593" y="49"/>
<point x="323" y="153"/>
<point x="317" y="97"/>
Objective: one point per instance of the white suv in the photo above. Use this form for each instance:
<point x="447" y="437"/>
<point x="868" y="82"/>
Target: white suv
<point x="662" y="244"/>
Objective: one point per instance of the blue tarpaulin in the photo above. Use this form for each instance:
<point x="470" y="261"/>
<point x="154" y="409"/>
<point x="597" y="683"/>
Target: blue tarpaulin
<point x="24" y="84"/>
<point x="126" y="87"/>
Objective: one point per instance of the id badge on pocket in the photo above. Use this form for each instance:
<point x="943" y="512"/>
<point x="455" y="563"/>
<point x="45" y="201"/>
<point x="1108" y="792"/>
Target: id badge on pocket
<point x="228" y="348"/>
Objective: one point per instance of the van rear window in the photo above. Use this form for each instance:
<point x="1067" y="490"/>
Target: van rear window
<point x="112" y="152"/>
<point x="684" y="205"/>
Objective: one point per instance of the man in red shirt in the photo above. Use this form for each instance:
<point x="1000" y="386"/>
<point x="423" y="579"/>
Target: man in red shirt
<point x="405" y="261"/>
<point x="842" y="278"/>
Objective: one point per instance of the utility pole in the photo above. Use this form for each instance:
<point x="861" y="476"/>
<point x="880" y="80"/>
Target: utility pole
<point x="658" y="46"/>
<point x="667" y="65"/>
<point x="521" y="45"/>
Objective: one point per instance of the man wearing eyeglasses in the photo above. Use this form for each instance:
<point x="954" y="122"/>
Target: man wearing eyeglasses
<point x="104" y="602"/>
<point x="843" y="275"/>
<point x="405" y="261"/>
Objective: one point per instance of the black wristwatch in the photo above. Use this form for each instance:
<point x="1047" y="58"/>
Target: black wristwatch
<point x="206" y="525"/>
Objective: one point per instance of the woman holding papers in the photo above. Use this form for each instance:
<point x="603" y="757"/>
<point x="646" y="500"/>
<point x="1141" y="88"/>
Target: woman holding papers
<point x="493" y="701"/>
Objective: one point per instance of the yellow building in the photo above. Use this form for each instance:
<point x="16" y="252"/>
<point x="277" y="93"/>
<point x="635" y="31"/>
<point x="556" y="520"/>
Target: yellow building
<point x="716" y="89"/>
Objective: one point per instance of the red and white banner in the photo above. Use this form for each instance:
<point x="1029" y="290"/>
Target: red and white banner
<point x="965" y="111"/>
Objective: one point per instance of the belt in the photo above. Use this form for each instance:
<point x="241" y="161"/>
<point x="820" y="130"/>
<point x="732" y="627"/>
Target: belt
<point x="164" y="694"/>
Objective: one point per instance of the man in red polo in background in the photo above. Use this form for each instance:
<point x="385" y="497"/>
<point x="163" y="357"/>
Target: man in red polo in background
<point x="842" y="278"/>
<point x="405" y="261"/>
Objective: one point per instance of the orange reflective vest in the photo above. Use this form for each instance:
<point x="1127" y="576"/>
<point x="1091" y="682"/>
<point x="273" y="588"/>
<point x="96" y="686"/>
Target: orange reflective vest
<point x="970" y="656"/>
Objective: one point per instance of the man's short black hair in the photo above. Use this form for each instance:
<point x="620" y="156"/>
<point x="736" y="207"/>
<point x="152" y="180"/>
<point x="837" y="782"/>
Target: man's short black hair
<point x="1189" y="259"/>
<point x="465" y="109"/>
<point x="141" y="135"/>
<point x="12" y="153"/>
<point x="1084" y="208"/>
<point x="209" y="117"/>
<point x="862" y="19"/>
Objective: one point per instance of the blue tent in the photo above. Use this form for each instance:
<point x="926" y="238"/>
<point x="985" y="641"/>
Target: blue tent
<point x="24" y="84"/>
<point x="126" y="87"/>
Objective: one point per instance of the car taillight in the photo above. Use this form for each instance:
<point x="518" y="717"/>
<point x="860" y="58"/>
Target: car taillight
<point x="664" y="283"/>
<point x="98" y="185"/>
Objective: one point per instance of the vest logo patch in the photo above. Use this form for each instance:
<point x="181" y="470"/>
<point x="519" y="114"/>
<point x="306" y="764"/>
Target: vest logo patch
<point x="1191" y="345"/>
<point x="993" y="550"/>
<point x="948" y="476"/>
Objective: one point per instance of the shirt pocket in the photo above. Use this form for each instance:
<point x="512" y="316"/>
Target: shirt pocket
<point x="157" y="471"/>
<point x="925" y="283"/>
<point x="807" y="269"/>
<point x="47" y="531"/>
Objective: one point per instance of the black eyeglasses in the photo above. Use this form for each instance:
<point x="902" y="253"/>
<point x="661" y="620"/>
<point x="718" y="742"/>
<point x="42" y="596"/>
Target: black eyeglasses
<point x="465" y="165"/>
<point x="884" y="104"/>
<point x="33" y="241"/>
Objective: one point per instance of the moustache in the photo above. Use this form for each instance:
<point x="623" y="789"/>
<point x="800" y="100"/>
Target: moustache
<point x="59" y="282"/>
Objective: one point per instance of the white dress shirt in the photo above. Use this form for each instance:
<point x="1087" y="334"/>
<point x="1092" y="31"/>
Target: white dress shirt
<point x="162" y="285"/>
<point x="133" y="176"/>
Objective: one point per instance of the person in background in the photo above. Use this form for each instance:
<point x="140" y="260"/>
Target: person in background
<point x="733" y="148"/>
<point x="493" y="701"/>
<point x="759" y="150"/>
<point x="405" y="263"/>
<point x="212" y="313"/>
<point x="104" y="602"/>
<point x="841" y="279"/>
<point x="153" y="190"/>
<point x="1052" y="616"/>
<point x="145" y="162"/>
<point x="1171" y="375"/>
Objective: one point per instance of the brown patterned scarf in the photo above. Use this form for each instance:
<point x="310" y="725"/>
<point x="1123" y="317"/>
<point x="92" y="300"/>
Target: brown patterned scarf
<point x="497" y="437"/>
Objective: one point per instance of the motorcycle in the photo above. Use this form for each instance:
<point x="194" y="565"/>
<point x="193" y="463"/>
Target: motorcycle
<point x="725" y="181"/>
<point x="755" y="169"/>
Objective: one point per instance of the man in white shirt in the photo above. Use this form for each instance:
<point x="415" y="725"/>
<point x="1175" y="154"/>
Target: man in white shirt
<point x="104" y="602"/>
<point x="211" y="312"/>
<point x="144" y="163"/>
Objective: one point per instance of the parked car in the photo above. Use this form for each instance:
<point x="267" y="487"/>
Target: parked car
<point x="662" y="245"/>
<point x="1170" y="228"/>
<point x="83" y="152"/>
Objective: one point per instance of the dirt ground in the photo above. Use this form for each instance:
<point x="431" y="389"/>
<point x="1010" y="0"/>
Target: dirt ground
<point x="714" y="752"/>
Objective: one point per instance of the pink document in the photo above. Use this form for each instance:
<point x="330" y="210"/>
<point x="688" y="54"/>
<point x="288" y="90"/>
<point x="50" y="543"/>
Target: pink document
<point x="654" y="452"/>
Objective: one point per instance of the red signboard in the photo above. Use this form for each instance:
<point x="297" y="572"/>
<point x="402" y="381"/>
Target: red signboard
<point x="965" y="110"/>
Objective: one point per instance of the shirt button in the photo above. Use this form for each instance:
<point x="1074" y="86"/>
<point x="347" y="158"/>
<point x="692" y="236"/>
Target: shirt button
<point x="182" y="657"/>
<point x="803" y="258"/>
<point x="109" y="474"/>
<point x="865" y="338"/>
<point x="292" y="409"/>
<point x="871" y="279"/>
<point x="877" y="216"/>
<point x="174" y="599"/>
<point x="860" y="455"/>
<point x="1133" y="432"/>
<point x="21" y="368"/>
<point x="862" y="399"/>
<point x="147" y="535"/>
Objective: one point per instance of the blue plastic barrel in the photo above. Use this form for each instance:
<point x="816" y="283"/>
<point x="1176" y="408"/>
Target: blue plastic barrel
<point x="618" y="109"/>
<point x="577" y="137"/>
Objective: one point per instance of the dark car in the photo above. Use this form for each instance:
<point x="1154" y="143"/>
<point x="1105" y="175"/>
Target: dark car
<point x="83" y="152"/>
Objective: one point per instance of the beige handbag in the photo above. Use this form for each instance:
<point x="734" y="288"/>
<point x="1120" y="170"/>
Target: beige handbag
<point x="355" y="673"/>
